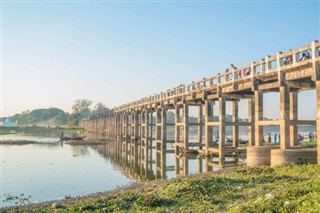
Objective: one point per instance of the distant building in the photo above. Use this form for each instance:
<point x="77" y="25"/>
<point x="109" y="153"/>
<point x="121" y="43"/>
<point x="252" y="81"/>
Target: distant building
<point x="8" y="122"/>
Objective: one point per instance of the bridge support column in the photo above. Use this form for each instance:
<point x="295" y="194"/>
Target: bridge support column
<point x="235" y="128"/>
<point x="126" y="136"/>
<point x="251" y="119"/>
<point x="164" y="125"/>
<point x="200" y="170"/>
<point x="293" y="116"/>
<point x="119" y="140"/>
<point x="284" y="117"/>
<point x="222" y="129"/>
<point x="200" y="122"/>
<point x="258" y="99"/>
<point x="177" y="128"/>
<point x="161" y="142"/>
<point x="160" y="161"/>
<point x="208" y="129"/>
<point x="186" y="126"/>
<point x="318" y="118"/>
<point x="177" y="166"/>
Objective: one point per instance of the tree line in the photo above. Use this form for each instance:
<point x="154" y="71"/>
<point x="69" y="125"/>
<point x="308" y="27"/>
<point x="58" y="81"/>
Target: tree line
<point x="81" y="109"/>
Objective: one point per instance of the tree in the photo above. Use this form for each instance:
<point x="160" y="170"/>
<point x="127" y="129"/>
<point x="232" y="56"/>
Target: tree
<point x="82" y="106"/>
<point x="73" y="119"/>
<point x="99" y="108"/>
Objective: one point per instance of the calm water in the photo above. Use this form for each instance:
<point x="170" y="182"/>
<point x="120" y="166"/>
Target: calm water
<point x="50" y="170"/>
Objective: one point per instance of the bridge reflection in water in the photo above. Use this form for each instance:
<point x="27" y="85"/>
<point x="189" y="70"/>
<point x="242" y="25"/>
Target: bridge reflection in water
<point x="149" y="161"/>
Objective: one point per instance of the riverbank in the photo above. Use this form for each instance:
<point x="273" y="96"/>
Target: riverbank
<point x="293" y="188"/>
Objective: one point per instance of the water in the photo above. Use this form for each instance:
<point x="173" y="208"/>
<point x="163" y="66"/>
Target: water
<point x="48" y="170"/>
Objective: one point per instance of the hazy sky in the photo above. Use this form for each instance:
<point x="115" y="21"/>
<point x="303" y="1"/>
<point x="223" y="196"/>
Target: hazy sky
<point x="54" y="52"/>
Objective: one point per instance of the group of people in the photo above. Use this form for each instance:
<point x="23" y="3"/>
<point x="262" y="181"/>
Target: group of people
<point x="238" y="74"/>
<point x="311" y="137"/>
<point x="286" y="61"/>
<point x="268" y="138"/>
<point x="289" y="59"/>
<point x="276" y="137"/>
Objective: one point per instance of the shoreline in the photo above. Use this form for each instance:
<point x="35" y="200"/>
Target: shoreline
<point x="291" y="188"/>
<point x="96" y="195"/>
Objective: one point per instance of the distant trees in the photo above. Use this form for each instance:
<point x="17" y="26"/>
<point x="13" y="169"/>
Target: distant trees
<point x="99" y="108"/>
<point x="44" y="117"/>
<point x="82" y="106"/>
<point x="82" y="109"/>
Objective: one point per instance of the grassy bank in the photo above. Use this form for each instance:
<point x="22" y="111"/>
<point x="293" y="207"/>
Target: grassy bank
<point x="36" y="129"/>
<point x="293" y="188"/>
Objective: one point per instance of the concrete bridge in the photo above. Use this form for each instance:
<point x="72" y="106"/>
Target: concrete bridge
<point x="138" y="124"/>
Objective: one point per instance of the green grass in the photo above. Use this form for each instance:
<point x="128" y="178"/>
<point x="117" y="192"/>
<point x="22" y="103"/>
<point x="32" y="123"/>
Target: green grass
<point x="296" y="188"/>
<point x="312" y="144"/>
<point x="36" y="129"/>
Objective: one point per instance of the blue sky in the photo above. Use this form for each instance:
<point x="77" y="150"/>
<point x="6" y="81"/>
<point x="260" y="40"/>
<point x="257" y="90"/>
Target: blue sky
<point x="115" y="52"/>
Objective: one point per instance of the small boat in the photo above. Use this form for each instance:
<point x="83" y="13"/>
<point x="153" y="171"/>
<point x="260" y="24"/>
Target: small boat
<point x="72" y="138"/>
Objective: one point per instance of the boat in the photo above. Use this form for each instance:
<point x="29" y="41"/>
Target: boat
<point x="72" y="138"/>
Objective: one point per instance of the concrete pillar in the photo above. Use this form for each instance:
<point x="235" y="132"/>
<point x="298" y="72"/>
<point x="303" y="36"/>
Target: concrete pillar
<point x="258" y="100"/>
<point x="164" y="125"/>
<point x="293" y="116"/>
<point x="185" y="166"/>
<point x="318" y="118"/>
<point x="284" y="117"/>
<point x="251" y="119"/>
<point x="209" y="167"/>
<point x="136" y="125"/>
<point x="208" y="129"/>
<point x="177" y="129"/>
<point x="158" y="124"/>
<point x="200" y="128"/>
<point x="185" y="126"/>
<point x="200" y="170"/>
<point x="235" y="128"/>
<point x="222" y="129"/>
<point x="117" y="126"/>
<point x="161" y="162"/>
<point x="177" y="166"/>
<point x="151" y="125"/>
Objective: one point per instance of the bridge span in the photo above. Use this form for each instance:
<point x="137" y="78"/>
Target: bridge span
<point x="139" y="124"/>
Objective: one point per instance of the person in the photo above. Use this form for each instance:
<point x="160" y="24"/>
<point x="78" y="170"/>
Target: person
<point x="239" y="74"/>
<point x="269" y="138"/>
<point x="305" y="55"/>
<point x="275" y="137"/>
<point x="299" y="137"/>
<point x="248" y="72"/>
<point x="287" y="60"/>
<point x="228" y="78"/>
<point x="62" y="134"/>
<point x="310" y="136"/>
<point x="234" y="68"/>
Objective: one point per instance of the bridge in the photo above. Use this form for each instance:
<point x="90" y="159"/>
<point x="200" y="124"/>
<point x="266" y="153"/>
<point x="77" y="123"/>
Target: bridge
<point x="141" y="123"/>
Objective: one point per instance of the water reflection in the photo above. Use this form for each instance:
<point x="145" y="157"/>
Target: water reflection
<point x="151" y="160"/>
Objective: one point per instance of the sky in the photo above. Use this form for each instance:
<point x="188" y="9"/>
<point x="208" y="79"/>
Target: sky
<point x="54" y="52"/>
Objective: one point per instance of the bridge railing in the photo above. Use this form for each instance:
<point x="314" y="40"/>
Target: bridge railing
<point x="270" y="64"/>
